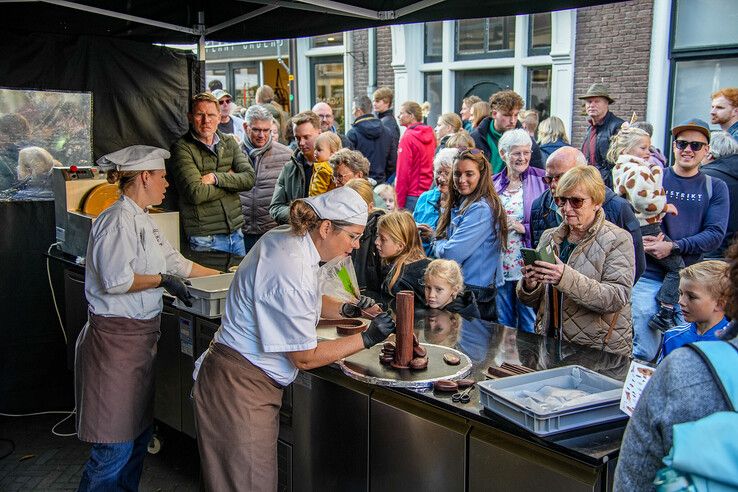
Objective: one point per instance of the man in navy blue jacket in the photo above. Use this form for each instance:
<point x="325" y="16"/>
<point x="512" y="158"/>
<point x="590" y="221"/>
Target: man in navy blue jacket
<point x="704" y="206"/>
<point x="544" y="214"/>
<point x="370" y="137"/>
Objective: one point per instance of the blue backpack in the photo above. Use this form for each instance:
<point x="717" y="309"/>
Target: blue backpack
<point x="705" y="451"/>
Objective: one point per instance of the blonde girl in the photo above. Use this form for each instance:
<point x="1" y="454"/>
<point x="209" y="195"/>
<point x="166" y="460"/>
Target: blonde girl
<point x="387" y="192"/>
<point x="398" y="244"/>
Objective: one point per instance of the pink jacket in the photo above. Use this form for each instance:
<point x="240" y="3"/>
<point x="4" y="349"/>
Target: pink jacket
<point x="414" y="162"/>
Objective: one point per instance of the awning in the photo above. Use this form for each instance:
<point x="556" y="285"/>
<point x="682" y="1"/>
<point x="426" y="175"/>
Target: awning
<point x="185" y="21"/>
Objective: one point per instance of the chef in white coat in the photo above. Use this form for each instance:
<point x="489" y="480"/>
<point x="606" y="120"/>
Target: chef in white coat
<point x="268" y="333"/>
<point x="129" y="264"/>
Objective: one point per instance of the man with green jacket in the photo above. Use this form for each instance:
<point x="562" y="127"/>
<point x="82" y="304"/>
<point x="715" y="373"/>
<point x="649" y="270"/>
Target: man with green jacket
<point x="209" y="170"/>
<point x="294" y="180"/>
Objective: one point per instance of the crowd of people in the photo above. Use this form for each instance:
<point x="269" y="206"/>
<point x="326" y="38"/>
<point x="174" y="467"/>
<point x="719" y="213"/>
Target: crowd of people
<point x="483" y="188"/>
<point x="488" y="215"/>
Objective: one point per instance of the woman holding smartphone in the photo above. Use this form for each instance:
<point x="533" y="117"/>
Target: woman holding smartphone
<point x="584" y="297"/>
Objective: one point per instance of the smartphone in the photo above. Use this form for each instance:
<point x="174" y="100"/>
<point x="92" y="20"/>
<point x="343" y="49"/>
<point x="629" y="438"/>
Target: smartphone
<point x="530" y="255"/>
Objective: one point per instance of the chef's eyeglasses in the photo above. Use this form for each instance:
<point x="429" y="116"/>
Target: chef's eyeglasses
<point x="683" y="144"/>
<point x="352" y="235"/>
<point x="574" y="201"/>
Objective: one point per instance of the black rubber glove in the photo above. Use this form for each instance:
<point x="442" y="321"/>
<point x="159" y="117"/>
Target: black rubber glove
<point x="380" y="328"/>
<point x="354" y="310"/>
<point x="177" y="286"/>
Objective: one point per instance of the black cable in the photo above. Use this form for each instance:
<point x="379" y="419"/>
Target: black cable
<point x="12" y="447"/>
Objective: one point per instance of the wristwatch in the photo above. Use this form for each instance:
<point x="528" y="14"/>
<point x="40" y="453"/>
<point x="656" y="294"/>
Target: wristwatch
<point x="675" y="249"/>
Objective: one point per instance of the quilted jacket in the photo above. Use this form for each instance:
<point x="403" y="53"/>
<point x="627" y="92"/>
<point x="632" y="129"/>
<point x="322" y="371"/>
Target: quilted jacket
<point x="255" y="202"/>
<point x="210" y="209"/>
<point x="595" y="286"/>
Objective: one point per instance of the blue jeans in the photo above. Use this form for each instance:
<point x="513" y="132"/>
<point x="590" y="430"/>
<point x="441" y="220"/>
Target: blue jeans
<point x="646" y="342"/>
<point x="230" y="243"/>
<point x="115" y="466"/>
<point x="512" y="312"/>
<point x="410" y="202"/>
<point x="249" y="241"/>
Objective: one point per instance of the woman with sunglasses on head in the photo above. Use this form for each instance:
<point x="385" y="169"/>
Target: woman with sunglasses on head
<point x="518" y="185"/>
<point x="473" y="229"/>
<point x="584" y="297"/>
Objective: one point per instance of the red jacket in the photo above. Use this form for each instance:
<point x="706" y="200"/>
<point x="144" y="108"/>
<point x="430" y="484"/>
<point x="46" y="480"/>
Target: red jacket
<point x="414" y="162"/>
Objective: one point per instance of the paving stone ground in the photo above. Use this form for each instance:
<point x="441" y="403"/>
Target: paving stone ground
<point x="45" y="462"/>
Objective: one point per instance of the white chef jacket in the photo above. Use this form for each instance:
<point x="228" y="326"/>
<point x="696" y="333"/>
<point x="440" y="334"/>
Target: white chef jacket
<point x="274" y="303"/>
<point x="124" y="240"/>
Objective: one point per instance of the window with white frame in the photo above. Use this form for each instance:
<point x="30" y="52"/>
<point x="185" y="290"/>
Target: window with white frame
<point x="484" y="56"/>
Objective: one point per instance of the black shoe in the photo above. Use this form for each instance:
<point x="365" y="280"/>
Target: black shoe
<point x="664" y="320"/>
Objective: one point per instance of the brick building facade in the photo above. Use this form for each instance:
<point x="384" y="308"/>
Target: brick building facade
<point x="360" y="50"/>
<point x="612" y="46"/>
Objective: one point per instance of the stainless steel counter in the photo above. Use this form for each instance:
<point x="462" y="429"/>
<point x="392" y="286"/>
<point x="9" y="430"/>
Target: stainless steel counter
<point x="340" y="434"/>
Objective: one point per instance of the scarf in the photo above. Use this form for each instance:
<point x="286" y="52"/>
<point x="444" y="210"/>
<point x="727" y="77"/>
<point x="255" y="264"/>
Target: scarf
<point x="494" y="153"/>
<point x="253" y="152"/>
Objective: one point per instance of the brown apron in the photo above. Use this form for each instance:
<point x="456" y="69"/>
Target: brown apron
<point x="237" y="418"/>
<point x="114" y="378"/>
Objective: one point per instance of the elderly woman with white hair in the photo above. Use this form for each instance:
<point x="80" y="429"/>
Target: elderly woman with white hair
<point x="518" y="185"/>
<point x="723" y="164"/>
<point x="428" y="208"/>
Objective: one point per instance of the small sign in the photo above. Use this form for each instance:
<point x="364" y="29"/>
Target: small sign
<point x="291" y="77"/>
<point x="185" y="336"/>
<point x="638" y="375"/>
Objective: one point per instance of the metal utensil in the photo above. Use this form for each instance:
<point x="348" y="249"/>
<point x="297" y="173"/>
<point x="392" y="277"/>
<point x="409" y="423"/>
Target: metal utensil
<point x="462" y="396"/>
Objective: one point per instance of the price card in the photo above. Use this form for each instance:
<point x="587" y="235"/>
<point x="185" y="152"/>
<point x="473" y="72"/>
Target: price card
<point x="638" y="375"/>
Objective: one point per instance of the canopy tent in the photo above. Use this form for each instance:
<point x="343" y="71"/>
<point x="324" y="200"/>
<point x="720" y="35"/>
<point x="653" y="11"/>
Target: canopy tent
<point x="188" y="21"/>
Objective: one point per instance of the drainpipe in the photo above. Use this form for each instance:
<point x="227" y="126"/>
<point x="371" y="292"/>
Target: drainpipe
<point x="372" y="61"/>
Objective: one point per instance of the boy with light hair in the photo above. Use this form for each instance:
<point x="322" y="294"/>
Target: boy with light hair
<point x="702" y="292"/>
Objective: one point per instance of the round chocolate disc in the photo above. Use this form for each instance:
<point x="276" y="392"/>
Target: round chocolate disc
<point x="419" y="363"/>
<point x="389" y="346"/>
<point x="420" y="351"/>
<point x="451" y="359"/>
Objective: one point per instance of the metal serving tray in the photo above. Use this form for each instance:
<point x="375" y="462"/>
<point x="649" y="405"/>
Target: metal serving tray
<point x="601" y="403"/>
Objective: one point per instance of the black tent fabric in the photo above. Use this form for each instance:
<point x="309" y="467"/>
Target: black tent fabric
<point x="140" y="91"/>
<point x="242" y="20"/>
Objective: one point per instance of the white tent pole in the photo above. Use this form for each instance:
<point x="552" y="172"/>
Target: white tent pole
<point x="342" y="7"/>
<point x="415" y="7"/>
<point x="299" y="6"/>
<point x="240" y="18"/>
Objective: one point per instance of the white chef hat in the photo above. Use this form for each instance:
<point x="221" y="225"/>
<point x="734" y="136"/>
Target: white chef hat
<point x="341" y="203"/>
<point x="134" y="158"/>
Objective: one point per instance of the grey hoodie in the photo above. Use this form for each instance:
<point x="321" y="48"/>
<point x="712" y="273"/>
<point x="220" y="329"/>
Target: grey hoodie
<point x="681" y="390"/>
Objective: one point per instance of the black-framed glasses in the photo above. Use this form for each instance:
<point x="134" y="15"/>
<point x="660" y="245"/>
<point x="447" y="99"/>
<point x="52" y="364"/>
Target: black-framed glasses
<point x="683" y="144"/>
<point x="550" y="179"/>
<point x="574" y="201"/>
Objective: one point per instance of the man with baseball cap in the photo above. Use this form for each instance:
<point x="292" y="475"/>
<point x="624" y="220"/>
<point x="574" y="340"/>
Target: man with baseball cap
<point x="703" y="205"/>
<point x="229" y="124"/>
<point x="602" y="125"/>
